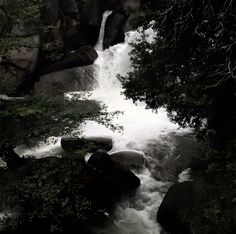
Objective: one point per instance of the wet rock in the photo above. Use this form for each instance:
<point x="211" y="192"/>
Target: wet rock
<point x="178" y="198"/>
<point x="130" y="158"/>
<point x="113" y="30"/>
<point x="59" y="82"/>
<point x="92" y="144"/>
<point x="91" y="18"/>
<point x="115" y="179"/>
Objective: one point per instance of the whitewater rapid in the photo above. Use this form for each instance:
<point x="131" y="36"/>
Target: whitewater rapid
<point x="141" y="127"/>
<point x="136" y="215"/>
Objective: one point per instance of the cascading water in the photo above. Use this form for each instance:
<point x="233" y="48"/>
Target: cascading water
<point x="142" y="130"/>
<point x="135" y="215"/>
<point x="99" y="45"/>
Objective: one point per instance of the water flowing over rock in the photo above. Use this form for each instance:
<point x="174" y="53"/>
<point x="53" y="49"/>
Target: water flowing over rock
<point x="130" y="158"/>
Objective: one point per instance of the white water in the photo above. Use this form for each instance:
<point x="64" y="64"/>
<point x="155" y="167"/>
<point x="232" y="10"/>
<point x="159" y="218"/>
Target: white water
<point x="135" y="215"/>
<point x="99" y="46"/>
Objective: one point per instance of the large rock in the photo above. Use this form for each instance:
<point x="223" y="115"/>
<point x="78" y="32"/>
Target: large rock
<point x="113" y="30"/>
<point x="74" y="79"/>
<point x="50" y="11"/>
<point x="178" y="198"/>
<point x="81" y="57"/>
<point x="91" y="18"/>
<point x="91" y="143"/>
<point x="130" y="158"/>
<point x="115" y="179"/>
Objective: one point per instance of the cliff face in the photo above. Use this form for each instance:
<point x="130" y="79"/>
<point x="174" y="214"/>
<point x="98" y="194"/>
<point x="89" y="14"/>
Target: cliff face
<point x="47" y="34"/>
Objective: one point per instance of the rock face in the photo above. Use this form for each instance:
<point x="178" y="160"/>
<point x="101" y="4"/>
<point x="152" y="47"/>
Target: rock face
<point x="115" y="179"/>
<point x="91" y="143"/>
<point x="130" y="158"/>
<point x="74" y="79"/>
<point x="114" y="29"/>
<point x="91" y="18"/>
<point x="70" y="25"/>
<point x="178" y="198"/>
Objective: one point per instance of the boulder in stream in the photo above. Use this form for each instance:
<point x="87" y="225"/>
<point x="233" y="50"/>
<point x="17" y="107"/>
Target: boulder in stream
<point x="115" y="179"/>
<point x="130" y="158"/>
<point x="178" y="198"/>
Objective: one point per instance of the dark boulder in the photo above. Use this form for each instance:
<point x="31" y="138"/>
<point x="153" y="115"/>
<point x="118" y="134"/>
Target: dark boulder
<point x="114" y="179"/>
<point x="50" y="11"/>
<point x="11" y="159"/>
<point x="69" y="80"/>
<point x="91" y="143"/>
<point x="178" y="198"/>
<point x="91" y="18"/>
<point x="113" y="30"/>
<point x="130" y="158"/>
<point x="84" y="56"/>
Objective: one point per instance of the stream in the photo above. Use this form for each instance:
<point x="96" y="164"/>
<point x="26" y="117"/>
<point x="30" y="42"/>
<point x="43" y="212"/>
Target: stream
<point x="142" y="129"/>
<point x="165" y="145"/>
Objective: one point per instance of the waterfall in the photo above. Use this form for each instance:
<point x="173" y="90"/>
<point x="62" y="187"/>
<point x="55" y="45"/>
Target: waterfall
<point x="99" y="45"/>
<point x="141" y="127"/>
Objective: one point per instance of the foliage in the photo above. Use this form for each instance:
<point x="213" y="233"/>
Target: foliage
<point x="51" y="200"/>
<point x="33" y="119"/>
<point x="17" y="15"/>
<point x="189" y="61"/>
<point x="215" y="194"/>
<point x="189" y="68"/>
